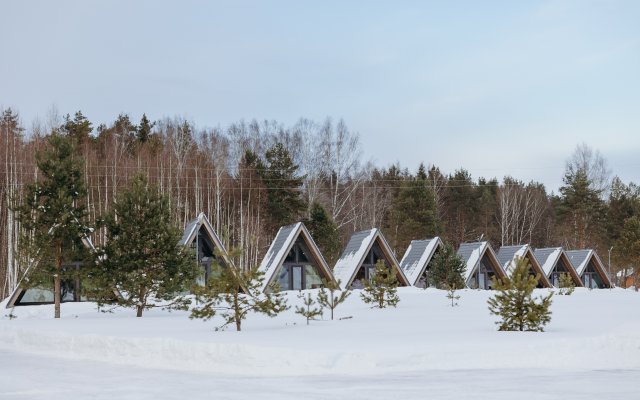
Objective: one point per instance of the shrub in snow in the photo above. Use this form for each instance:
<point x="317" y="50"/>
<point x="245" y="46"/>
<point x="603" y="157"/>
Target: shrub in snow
<point x="142" y="259"/>
<point x="451" y="295"/>
<point x="309" y="309"/>
<point x="566" y="285"/>
<point x="514" y="302"/>
<point x="447" y="269"/>
<point x="234" y="294"/>
<point x="381" y="290"/>
<point x="327" y="297"/>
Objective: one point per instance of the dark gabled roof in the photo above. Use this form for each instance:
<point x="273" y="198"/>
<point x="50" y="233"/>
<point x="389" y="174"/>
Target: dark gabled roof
<point x="506" y="257"/>
<point x="580" y="260"/>
<point x="417" y="257"/>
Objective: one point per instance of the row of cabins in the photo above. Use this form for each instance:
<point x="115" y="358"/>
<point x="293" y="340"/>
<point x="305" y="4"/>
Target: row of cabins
<point x="295" y="262"/>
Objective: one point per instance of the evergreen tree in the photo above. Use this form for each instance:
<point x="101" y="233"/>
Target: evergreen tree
<point x="143" y="132"/>
<point x="142" y="258"/>
<point x="566" y="285"/>
<point x="447" y="269"/>
<point x="514" y="302"/>
<point x="235" y="294"/>
<point x="279" y="173"/>
<point x="54" y="216"/>
<point x="581" y="210"/>
<point x="414" y="211"/>
<point x="325" y="232"/>
<point x="381" y="289"/>
<point x="628" y="245"/>
<point x="327" y="297"/>
<point x="461" y="208"/>
<point x="309" y="309"/>
<point x="451" y="295"/>
<point x="78" y="128"/>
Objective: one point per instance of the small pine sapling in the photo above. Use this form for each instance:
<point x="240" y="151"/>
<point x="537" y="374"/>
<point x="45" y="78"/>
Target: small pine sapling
<point x="447" y="269"/>
<point x="309" y="309"/>
<point x="381" y="289"/>
<point x="235" y="294"/>
<point x="514" y="302"/>
<point x="451" y="295"/>
<point x="328" y="298"/>
<point x="566" y="285"/>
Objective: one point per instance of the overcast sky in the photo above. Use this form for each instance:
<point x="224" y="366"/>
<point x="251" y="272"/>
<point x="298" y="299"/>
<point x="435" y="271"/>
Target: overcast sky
<point x="505" y="87"/>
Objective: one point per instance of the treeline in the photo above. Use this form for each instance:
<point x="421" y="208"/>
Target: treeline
<point x="252" y="177"/>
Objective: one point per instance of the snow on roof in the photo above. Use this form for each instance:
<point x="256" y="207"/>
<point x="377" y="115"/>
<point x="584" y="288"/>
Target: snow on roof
<point x="472" y="253"/>
<point x="579" y="259"/>
<point x="507" y="254"/>
<point x="548" y="258"/>
<point x="278" y="251"/>
<point x="194" y="225"/>
<point x="417" y="257"/>
<point x="352" y="256"/>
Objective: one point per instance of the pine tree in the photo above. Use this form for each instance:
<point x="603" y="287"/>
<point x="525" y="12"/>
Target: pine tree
<point x="566" y="285"/>
<point x="514" y="302"/>
<point x="381" y="289"/>
<point x="414" y="211"/>
<point x="235" y="294"/>
<point x="309" y="309"/>
<point x="581" y="210"/>
<point x="327" y="297"/>
<point x="325" y="232"/>
<point x="447" y="269"/>
<point x="54" y="216"/>
<point x="78" y="128"/>
<point x="451" y="295"/>
<point x="279" y="173"/>
<point x="142" y="258"/>
<point x="143" y="132"/>
<point x="628" y="245"/>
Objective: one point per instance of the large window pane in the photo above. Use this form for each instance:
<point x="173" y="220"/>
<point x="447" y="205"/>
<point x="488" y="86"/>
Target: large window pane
<point x="312" y="278"/>
<point x="296" y="272"/>
<point x="283" y="278"/>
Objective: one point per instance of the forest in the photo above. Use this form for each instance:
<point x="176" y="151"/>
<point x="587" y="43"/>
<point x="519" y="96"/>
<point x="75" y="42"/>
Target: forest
<point x="251" y="177"/>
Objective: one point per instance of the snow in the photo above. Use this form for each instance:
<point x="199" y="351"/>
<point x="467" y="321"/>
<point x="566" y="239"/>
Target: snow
<point x="591" y="349"/>
<point x="273" y="258"/>
<point x="348" y="263"/>
<point x="473" y="260"/>
<point x="415" y="270"/>
<point x="510" y="265"/>
<point x="551" y="261"/>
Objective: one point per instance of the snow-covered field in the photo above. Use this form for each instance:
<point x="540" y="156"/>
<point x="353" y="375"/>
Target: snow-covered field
<point x="422" y="349"/>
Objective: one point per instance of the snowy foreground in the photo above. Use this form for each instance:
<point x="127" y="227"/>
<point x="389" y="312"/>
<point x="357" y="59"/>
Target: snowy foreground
<point x="422" y="349"/>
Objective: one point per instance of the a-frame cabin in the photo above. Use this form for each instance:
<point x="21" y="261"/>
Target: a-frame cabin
<point x="507" y="256"/>
<point x="359" y="258"/>
<point x="590" y="268"/>
<point x="294" y="261"/>
<point x="71" y="289"/>
<point x="554" y="263"/>
<point x="416" y="261"/>
<point x="482" y="267"/>
<point x="209" y="249"/>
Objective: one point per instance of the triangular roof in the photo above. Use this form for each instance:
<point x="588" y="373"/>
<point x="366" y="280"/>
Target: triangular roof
<point x="88" y="243"/>
<point x="472" y="254"/>
<point x="193" y="227"/>
<point x="357" y="249"/>
<point x="506" y="257"/>
<point x="580" y="259"/>
<point x="549" y="257"/>
<point x="417" y="258"/>
<point x="280" y="247"/>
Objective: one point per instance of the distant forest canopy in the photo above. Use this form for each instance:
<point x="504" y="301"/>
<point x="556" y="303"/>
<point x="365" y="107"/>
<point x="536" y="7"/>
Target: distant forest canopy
<point x="250" y="178"/>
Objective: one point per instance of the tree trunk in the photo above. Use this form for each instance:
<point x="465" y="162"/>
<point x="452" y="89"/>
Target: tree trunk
<point x="139" y="310"/>
<point x="57" y="284"/>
